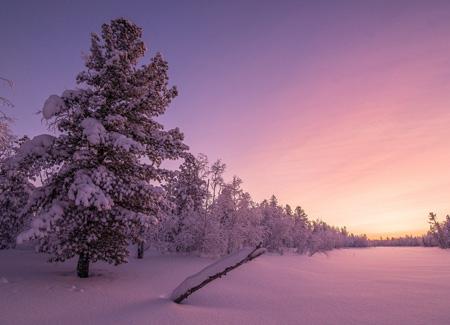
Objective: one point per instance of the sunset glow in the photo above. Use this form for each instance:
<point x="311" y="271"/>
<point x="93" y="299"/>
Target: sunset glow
<point x="342" y="109"/>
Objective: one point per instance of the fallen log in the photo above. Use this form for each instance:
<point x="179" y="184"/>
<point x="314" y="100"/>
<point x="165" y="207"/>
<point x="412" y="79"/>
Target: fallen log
<point x="214" y="271"/>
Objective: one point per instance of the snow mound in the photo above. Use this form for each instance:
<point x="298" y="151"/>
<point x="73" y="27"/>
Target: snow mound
<point x="52" y="106"/>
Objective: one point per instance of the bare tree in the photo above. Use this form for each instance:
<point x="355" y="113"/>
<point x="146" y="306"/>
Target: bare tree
<point x="4" y="100"/>
<point x="217" y="170"/>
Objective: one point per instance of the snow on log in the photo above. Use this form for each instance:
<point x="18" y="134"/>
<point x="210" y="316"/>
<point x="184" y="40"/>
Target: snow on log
<point x="214" y="271"/>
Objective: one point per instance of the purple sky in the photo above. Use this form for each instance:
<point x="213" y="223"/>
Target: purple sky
<point x="340" y="106"/>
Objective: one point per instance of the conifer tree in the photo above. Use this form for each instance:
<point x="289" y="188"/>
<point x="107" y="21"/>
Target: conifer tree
<point x="15" y="190"/>
<point x="105" y="193"/>
<point x="6" y="137"/>
<point x="187" y="191"/>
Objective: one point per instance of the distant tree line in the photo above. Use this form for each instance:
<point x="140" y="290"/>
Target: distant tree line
<point x="437" y="236"/>
<point x="211" y="216"/>
<point x="398" y="241"/>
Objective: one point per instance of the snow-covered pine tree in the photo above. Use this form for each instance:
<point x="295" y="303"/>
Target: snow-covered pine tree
<point x="6" y="137"/>
<point x="249" y="217"/>
<point x="300" y="230"/>
<point x="233" y="222"/>
<point x="227" y="209"/>
<point x="14" y="194"/>
<point x="109" y="150"/>
<point x="15" y="190"/>
<point x="189" y="188"/>
<point x="276" y="225"/>
<point x="188" y="193"/>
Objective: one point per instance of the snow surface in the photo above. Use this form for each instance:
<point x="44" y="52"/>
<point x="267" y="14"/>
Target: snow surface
<point x="219" y="266"/>
<point x="348" y="286"/>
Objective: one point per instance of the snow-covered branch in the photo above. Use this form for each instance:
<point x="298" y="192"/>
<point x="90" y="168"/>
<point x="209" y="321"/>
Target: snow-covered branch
<point x="214" y="271"/>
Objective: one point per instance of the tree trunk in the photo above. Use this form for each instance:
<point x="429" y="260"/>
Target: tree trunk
<point x="213" y="272"/>
<point x="140" y="250"/>
<point x="214" y="194"/>
<point x="83" y="266"/>
<point x="207" y="196"/>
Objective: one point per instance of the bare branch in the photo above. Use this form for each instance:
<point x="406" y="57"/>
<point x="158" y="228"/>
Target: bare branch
<point x="9" y="82"/>
<point x="3" y="100"/>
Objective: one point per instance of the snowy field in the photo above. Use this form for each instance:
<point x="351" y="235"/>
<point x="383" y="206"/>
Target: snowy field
<point x="349" y="286"/>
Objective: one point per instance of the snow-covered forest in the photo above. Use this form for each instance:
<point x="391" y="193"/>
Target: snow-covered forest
<point x="97" y="185"/>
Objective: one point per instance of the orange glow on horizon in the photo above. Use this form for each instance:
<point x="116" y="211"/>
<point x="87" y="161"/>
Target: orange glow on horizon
<point x="361" y="138"/>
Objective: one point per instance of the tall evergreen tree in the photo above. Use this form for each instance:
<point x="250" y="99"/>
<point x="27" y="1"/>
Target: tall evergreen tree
<point x="109" y="151"/>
